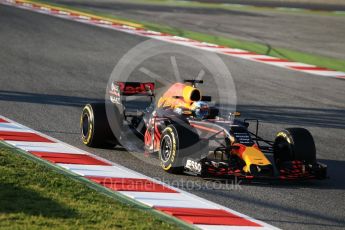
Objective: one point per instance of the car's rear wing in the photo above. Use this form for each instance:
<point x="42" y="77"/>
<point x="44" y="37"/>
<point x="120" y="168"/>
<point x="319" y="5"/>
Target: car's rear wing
<point x="134" y="88"/>
<point x="120" y="89"/>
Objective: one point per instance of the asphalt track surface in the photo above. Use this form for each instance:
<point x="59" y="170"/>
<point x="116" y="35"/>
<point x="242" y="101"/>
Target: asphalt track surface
<point x="51" y="67"/>
<point x="311" y="33"/>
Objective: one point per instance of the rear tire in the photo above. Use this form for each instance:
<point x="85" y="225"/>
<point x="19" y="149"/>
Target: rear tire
<point x="177" y="143"/>
<point x="94" y="127"/>
<point x="294" y="144"/>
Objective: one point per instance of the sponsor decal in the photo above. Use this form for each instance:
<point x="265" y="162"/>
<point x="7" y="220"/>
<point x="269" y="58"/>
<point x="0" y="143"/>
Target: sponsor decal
<point x="132" y="88"/>
<point x="193" y="166"/>
<point x="114" y="93"/>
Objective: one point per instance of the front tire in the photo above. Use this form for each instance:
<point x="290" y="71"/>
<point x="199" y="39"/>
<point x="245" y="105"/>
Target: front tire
<point x="294" y="144"/>
<point x="94" y="127"/>
<point x="177" y="143"/>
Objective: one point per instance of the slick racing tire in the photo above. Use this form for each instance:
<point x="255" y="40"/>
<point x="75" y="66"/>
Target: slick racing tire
<point x="177" y="143"/>
<point x="94" y="127"/>
<point x="294" y="144"/>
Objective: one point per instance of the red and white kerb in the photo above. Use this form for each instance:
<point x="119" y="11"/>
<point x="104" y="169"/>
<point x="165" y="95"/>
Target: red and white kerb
<point x="187" y="207"/>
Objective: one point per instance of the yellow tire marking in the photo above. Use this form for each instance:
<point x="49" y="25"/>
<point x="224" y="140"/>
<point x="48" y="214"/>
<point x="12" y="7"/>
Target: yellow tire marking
<point x="173" y="154"/>
<point x="88" y="138"/>
<point x="282" y="134"/>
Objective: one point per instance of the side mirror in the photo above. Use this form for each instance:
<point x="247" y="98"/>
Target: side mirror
<point x="232" y="115"/>
<point x="235" y="114"/>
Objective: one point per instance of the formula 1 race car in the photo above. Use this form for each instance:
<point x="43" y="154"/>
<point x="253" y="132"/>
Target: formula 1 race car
<point x="189" y="136"/>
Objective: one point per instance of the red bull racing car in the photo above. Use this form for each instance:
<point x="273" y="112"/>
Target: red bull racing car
<point x="190" y="136"/>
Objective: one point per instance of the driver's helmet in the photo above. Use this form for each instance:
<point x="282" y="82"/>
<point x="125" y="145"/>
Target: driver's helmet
<point x="200" y="109"/>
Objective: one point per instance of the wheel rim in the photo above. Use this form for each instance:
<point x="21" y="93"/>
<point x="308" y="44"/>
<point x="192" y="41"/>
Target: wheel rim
<point x="166" y="148"/>
<point x="85" y="125"/>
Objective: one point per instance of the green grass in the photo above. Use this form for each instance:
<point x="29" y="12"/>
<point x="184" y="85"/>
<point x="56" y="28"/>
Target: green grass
<point x="33" y="196"/>
<point x="327" y="62"/>
<point x="292" y="55"/>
